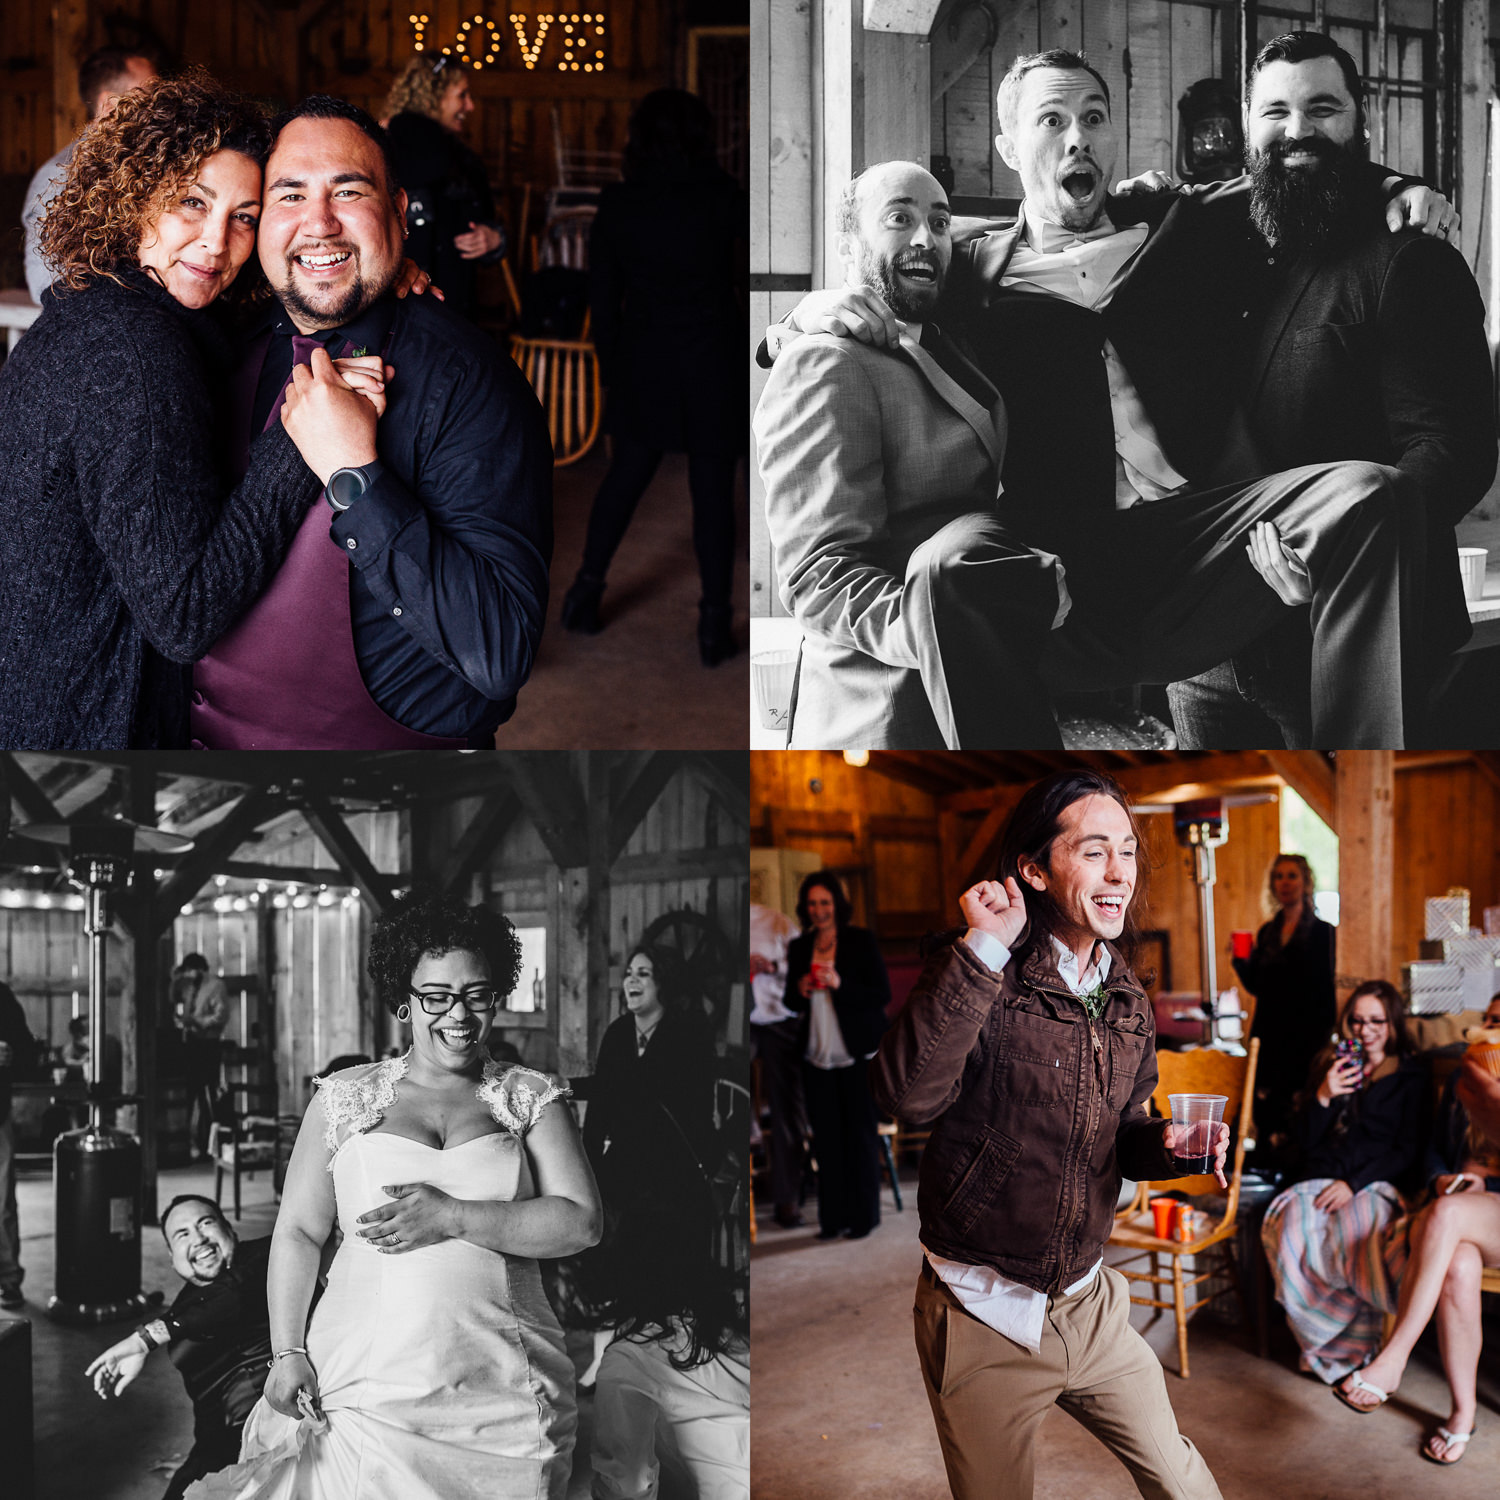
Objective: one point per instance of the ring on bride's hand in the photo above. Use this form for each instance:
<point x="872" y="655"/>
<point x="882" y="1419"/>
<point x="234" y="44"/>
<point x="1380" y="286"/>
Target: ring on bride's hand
<point x="395" y="1239"/>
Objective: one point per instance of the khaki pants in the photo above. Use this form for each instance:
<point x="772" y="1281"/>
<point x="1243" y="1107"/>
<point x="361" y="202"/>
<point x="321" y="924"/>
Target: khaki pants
<point x="989" y="1395"/>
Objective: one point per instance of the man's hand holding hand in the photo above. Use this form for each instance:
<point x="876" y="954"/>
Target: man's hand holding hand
<point x="999" y="910"/>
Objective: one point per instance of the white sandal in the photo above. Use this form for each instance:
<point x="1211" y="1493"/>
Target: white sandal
<point x="1381" y="1397"/>
<point x="1451" y="1441"/>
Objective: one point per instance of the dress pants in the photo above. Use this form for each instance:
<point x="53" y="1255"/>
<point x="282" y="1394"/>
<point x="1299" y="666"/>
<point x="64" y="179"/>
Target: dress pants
<point x="11" y="1274"/>
<point x="989" y="1395"/>
<point x="1165" y="590"/>
<point x="842" y="1112"/>
<point x="779" y="1046"/>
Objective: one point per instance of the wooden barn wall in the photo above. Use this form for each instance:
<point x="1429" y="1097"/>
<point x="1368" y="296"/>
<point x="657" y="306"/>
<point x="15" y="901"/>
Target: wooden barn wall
<point x="353" y="48"/>
<point x="522" y="879"/>
<point x="1447" y="833"/>
<point x="44" y="959"/>
<point x="1149" y="52"/>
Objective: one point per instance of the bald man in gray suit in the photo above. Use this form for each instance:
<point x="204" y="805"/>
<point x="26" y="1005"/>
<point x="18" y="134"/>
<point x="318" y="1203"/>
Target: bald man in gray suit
<point x="881" y="469"/>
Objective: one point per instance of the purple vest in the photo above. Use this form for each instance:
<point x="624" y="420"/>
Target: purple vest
<point x="286" y="676"/>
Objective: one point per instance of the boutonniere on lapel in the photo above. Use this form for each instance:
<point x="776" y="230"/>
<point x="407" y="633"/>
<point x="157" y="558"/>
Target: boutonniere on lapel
<point x="358" y="353"/>
<point x="1093" y="1001"/>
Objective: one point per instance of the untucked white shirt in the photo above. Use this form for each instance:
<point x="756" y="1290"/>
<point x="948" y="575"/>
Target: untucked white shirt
<point x="770" y="932"/>
<point x="1017" y="1312"/>
<point x="1087" y="269"/>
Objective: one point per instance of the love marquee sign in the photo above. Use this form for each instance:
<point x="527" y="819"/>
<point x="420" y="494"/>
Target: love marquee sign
<point x="577" y="40"/>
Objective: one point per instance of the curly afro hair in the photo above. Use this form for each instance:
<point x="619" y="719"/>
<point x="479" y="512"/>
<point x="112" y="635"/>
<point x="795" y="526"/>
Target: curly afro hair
<point x="427" y="922"/>
<point x="130" y="165"/>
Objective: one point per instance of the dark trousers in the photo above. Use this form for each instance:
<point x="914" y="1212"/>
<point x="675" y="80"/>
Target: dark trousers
<point x="1261" y="697"/>
<point x="711" y="484"/>
<point x="202" y="1058"/>
<point x="1166" y="590"/>
<point x="842" y="1112"/>
<point x="213" y="1449"/>
<point x="779" y="1046"/>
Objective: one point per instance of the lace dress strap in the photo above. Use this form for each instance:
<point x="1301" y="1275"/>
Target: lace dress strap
<point x="517" y="1096"/>
<point x="355" y="1099"/>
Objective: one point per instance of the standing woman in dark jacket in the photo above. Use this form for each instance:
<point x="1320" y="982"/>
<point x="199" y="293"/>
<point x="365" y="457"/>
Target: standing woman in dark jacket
<point x="450" y="212"/>
<point x="1358" y="1131"/>
<point x="650" y="1100"/>
<point x="836" y="976"/>
<point x="122" y="547"/>
<point x="664" y="255"/>
<point x="1290" y="973"/>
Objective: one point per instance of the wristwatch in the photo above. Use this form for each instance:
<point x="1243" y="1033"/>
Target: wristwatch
<point x="345" y="486"/>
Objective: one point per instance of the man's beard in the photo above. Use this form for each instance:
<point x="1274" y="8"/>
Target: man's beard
<point x="878" y="272"/>
<point x="1302" y="208"/>
<point x="356" y="297"/>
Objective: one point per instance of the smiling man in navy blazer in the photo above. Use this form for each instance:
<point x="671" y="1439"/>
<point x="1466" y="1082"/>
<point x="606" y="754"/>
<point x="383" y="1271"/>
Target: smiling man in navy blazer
<point x="881" y="470"/>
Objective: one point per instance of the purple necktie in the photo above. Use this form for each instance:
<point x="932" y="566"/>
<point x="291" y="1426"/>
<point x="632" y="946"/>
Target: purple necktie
<point x="302" y="349"/>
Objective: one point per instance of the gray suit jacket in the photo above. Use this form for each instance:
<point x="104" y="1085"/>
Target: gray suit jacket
<point x="47" y="180"/>
<point x="866" y="453"/>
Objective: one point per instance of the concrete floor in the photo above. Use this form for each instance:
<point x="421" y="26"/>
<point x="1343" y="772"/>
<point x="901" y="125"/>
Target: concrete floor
<point x="126" y="1449"/>
<point x="638" y="684"/>
<point x="840" y="1410"/>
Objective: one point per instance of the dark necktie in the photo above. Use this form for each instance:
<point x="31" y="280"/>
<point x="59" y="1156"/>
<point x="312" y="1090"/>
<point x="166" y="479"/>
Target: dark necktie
<point x="302" y="350"/>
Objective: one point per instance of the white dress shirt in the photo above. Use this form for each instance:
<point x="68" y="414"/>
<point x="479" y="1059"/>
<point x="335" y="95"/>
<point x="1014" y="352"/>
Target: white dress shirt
<point x="1017" y="1312"/>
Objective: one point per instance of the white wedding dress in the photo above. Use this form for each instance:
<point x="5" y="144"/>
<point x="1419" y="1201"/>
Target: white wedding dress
<point x="441" y="1371"/>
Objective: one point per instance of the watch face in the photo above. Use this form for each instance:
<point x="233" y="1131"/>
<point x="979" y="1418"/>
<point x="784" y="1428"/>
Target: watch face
<point x="345" y="487"/>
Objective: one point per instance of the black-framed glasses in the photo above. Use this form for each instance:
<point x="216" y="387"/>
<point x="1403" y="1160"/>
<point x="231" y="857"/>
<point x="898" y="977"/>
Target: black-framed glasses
<point x="476" y="998"/>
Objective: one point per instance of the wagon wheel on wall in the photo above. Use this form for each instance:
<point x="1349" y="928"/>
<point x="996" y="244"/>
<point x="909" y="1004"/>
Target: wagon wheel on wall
<point x="706" y="962"/>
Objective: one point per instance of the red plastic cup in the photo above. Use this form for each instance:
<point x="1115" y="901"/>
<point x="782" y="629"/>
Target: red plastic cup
<point x="1163" y="1211"/>
<point x="1241" y="943"/>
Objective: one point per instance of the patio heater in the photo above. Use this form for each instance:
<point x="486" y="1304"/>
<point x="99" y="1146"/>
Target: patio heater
<point x="97" y="1170"/>
<point x="1200" y="825"/>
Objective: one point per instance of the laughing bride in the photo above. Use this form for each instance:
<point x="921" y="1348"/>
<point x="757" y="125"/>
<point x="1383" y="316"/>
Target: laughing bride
<point x="433" y="1365"/>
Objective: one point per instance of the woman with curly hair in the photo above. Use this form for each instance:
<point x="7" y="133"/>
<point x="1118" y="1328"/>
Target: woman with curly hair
<point x="432" y="1364"/>
<point x="450" y="211"/>
<point x="124" y="547"/>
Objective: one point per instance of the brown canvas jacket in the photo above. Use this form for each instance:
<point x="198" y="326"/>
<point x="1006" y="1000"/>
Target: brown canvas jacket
<point x="1039" y="1111"/>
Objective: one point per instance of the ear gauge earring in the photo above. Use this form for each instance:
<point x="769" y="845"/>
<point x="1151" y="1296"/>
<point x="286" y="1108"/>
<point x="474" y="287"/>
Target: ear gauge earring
<point x="403" y="1012"/>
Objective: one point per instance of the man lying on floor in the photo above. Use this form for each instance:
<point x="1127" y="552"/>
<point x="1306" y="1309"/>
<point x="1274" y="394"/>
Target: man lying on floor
<point x="217" y="1333"/>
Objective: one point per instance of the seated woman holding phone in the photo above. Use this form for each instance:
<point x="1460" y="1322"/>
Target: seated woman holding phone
<point x="1438" y="1256"/>
<point x="1358" y="1132"/>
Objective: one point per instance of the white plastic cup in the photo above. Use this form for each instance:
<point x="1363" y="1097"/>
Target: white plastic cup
<point x="1197" y="1118"/>
<point x="771" y="675"/>
<point x="1471" y="564"/>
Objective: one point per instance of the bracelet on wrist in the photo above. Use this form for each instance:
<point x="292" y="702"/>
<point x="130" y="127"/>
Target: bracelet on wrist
<point x="282" y="1354"/>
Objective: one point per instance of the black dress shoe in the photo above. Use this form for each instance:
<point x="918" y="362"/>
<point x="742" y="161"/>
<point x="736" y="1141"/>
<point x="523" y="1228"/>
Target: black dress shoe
<point x="830" y="1234"/>
<point x="857" y="1234"/>
<point x="789" y="1218"/>
<point x="716" y="641"/>
<point x="12" y="1297"/>
<point x="580" y="608"/>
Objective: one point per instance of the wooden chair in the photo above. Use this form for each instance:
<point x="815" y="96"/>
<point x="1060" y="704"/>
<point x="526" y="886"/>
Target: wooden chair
<point x="241" y="1150"/>
<point x="1203" y="1071"/>
<point x="888" y="1132"/>
<point x="564" y="373"/>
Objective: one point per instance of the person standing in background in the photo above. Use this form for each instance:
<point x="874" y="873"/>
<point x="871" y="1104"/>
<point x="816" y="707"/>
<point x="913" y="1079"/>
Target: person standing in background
<point x="103" y="77"/>
<point x="779" y="1042"/>
<point x="836" y="976"/>
<point x="16" y="1049"/>
<point x="205" y="1009"/>
<point x="451" y="226"/>
<point x="665" y="254"/>
<point x="1290" y="973"/>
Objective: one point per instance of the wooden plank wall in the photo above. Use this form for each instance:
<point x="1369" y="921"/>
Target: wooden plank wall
<point x="1149" y="52"/>
<point x="44" y="959"/>
<point x="353" y="49"/>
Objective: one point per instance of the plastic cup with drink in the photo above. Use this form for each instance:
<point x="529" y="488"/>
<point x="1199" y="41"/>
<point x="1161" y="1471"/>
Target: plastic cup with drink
<point x="1196" y="1119"/>
<point x="1241" y="943"/>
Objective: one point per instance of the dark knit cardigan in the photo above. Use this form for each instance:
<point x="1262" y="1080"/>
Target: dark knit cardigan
<point x="119" y="551"/>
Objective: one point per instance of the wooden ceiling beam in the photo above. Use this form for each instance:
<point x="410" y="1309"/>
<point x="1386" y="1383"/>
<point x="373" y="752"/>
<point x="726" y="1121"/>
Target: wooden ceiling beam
<point x="1309" y="773"/>
<point x="633" y="794"/>
<point x="552" y="798"/>
<point x="477" y="842"/>
<point x="214" y="849"/>
<point x="33" y="802"/>
<point x="338" y="838"/>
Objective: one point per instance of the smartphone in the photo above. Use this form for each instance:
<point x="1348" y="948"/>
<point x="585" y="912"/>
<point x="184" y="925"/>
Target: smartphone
<point x="1349" y="1049"/>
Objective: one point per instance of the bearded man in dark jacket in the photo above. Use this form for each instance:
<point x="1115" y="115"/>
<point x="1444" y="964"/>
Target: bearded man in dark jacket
<point x="1032" y="1045"/>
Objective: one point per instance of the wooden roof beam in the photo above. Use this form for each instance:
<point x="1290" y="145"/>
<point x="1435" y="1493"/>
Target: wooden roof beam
<point x="1309" y="773"/>
<point x="336" y="836"/>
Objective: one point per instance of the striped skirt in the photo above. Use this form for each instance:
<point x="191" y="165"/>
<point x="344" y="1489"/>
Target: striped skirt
<point x="1337" y="1274"/>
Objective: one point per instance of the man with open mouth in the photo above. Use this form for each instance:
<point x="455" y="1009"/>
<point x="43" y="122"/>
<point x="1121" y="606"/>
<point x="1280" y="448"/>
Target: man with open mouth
<point x="217" y="1333"/>
<point x="880" y="468"/>
<point x="1118" y="331"/>
<point x="407" y="612"/>
<point x="1031" y="1044"/>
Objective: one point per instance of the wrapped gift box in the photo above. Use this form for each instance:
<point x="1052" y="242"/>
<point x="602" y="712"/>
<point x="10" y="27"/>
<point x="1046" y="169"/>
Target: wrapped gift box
<point x="1434" y="988"/>
<point x="1447" y="916"/>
